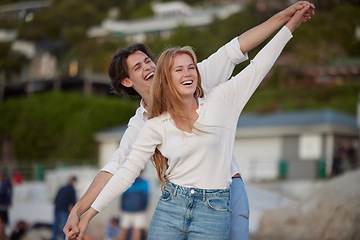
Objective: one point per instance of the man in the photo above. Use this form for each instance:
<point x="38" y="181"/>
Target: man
<point x="131" y="72"/>
<point x="6" y="190"/>
<point x="134" y="203"/>
<point x="64" y="201"/>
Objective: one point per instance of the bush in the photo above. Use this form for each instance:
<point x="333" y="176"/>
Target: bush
<point x="60" y="126"/>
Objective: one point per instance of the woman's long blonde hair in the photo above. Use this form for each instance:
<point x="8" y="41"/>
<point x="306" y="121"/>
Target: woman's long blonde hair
<point x="165" y="98"/>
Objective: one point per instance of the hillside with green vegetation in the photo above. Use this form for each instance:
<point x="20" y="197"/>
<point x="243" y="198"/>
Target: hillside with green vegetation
<point x="59" y="127"/>
<point x="343" y="98"/>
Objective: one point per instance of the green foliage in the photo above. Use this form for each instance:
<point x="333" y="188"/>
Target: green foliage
<point x="10" y="62"/>
<point x="343" y="98"/>
<point x="329" y="34"/>
<point x="97" y="58"/>
<point x="60" y="126"/>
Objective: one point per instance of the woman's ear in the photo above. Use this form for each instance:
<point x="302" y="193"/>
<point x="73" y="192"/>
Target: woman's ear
<point x="127" y="82"/>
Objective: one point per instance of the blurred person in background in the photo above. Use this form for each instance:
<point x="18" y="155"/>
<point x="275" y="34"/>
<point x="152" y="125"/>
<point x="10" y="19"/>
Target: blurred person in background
<point x="64" y="201"/>
<point x="133" y="213"/>
<point x="134" y="78"/>
<point x="112" y="229"/>
<point x="19" y="230"/>
<point x="18" y="179"/>
<point x="6" y="191"/>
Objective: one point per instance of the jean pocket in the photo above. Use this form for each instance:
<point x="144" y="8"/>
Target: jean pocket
<point x="219" y="204"/>
<point x="166" y="194"/>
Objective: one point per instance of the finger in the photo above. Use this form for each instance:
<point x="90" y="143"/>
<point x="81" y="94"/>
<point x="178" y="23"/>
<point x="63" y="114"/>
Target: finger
<point x="76" y="229"/>
<point x="70" y="235"/>
<point x="304" y="3"/>
<point x="310" y="12"/>
<point x="305" y="9"/>
<point x="66" y="229"/>
<point x="306" y="16"/>
<point x="81" y="236"/>
<point x="299" y="6"/>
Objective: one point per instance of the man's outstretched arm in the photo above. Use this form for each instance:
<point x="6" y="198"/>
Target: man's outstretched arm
<point x="218" y="67"/>
<point x="85" y="202"/>
<point x="256" y="35"/>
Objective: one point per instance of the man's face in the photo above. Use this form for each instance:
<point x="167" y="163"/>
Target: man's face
<point x="141" y="72"/>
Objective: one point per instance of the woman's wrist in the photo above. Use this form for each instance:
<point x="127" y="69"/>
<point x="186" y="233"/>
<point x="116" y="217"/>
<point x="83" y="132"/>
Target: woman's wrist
<point x="90" y="214"/>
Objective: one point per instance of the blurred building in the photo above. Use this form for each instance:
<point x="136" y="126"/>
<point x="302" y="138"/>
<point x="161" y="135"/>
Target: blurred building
<point x="292" y="145"/>
<point x="167" y="17"/>
<point x="22" y="11"/>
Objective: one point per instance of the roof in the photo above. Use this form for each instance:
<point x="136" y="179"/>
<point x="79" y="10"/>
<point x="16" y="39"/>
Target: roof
<point x="298" y="118"/>
<point x="297" y="121"/>
<point x="110" y="134"/>
<point x="194" y="18"/>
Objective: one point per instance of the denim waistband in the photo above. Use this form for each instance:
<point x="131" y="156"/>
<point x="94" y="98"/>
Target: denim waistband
<point x="197" y="192"/>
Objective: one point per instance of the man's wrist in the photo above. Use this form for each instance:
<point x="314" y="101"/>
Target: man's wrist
<point x="76" y="211"/>
<point x="281" y="17"/>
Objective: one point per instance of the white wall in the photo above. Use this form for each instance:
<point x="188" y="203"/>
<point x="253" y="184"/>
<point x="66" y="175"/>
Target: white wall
<point x="106" y="149"/>
<point x="258" y="157"/>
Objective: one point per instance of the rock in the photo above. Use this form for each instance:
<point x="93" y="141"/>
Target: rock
<point x="332" y="212"/>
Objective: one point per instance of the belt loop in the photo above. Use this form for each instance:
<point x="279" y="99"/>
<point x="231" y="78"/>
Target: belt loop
<point x="176" y="187"/>
<point x="204" y="195"/>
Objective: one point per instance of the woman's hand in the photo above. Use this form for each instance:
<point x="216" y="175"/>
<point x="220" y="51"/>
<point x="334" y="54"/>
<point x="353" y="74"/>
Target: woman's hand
<point x="289" y="12"/>
<point x="298" y="17"/>
<point x="83" y="224"/>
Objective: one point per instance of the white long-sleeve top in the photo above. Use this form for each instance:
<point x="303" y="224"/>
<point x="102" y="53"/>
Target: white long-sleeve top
<point x="198" y="160"/>
<point x="214" y="70"/>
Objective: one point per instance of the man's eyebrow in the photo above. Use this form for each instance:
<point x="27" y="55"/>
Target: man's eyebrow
<point x="137" y="64"/>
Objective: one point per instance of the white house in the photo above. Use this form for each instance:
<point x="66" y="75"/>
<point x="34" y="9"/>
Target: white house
<point x="168" y="16"/>
<point x="303" y="142"/>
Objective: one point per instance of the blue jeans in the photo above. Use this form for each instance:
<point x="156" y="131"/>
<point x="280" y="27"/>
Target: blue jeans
<point x="60" y="221"/>
<point x="239" y="229"/>
<point x="191" y="213"/>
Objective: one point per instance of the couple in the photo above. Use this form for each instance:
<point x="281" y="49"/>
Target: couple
<point x="187" y="135"/>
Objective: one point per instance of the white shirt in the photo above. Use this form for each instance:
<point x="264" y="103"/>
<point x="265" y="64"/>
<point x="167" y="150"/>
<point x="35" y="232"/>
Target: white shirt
<point x="213" y="70"/>
<point x="198" y="160"/>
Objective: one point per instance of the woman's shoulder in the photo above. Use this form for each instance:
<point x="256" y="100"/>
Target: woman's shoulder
<point x="159" y="119"/>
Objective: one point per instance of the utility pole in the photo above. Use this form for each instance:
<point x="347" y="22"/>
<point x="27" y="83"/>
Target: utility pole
<point x="88" y="82"/>
<point x="2" y="87"/>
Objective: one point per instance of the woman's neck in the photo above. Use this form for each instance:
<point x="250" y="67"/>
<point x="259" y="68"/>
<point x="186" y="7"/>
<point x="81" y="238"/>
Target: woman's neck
<point x="189" y="107"/>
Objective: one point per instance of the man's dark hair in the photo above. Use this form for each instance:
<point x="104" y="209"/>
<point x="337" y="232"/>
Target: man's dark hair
<point x="118" y="69"/>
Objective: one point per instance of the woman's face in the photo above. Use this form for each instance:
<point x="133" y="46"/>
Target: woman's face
<point x="184" y="75"/>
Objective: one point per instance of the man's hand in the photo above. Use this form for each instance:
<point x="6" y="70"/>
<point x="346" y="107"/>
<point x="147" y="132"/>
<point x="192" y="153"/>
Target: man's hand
<point x="85" y="202"/>
<point x="82" y="226"/>
<point x="71" y="235"/>
<point x="289" y="12"/>
<point x="72" y="225"/>
<point x="297" y="19"/>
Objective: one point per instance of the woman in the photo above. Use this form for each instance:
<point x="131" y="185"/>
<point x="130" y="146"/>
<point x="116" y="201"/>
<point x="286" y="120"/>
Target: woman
<point x="191" y="137"/>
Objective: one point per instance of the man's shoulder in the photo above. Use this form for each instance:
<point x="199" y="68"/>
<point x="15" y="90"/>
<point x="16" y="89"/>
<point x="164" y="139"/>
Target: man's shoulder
<point x="139" y="118"/>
